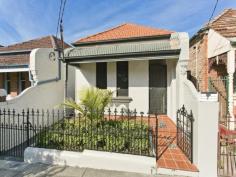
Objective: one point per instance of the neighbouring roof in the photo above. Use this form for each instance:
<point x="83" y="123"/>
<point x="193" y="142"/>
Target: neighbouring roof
<point x="124" y="31"/>
<point x="18" y="54"/>
<point x="225" y="23"/>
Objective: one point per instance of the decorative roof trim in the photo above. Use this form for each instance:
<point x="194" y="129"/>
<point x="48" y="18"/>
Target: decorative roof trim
<point x="164" y="53"/>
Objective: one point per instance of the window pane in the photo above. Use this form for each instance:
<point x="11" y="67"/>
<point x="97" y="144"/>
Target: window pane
<point x="22" y="81"/>
<point x="101" y="75"/>
<point x="122" y="78"/>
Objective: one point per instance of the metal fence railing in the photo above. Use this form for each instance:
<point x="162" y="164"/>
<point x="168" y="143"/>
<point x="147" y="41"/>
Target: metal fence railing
<point x="112" y="131"/>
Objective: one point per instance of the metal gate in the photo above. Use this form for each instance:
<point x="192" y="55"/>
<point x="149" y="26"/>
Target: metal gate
<point x="185" y="132"/>
<point x="226" y="156"/>
<point x="226" y="150"/>
<point x="14" y="133"/>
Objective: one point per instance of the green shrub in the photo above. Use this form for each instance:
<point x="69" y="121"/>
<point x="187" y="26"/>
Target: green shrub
<point x="92" y="102"/>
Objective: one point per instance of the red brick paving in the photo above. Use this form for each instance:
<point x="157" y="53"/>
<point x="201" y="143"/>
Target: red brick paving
<point x="170" y="155"/>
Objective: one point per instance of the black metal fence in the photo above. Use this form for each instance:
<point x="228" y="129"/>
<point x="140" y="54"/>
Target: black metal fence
<point x="185" y="132"/>
<point x="112" y="131"/>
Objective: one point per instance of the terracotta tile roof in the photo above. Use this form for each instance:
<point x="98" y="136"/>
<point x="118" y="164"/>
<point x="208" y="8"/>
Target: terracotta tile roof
<point x="19" y="58"/>
<point x="225" y="23"/>
<point x="124" y="31"/>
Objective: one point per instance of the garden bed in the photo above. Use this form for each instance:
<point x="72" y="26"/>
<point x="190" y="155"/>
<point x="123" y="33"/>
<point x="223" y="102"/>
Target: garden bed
<point x="76" y="134"/>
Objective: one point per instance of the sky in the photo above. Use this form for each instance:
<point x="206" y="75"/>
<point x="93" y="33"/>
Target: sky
<point x="22" y="20"/>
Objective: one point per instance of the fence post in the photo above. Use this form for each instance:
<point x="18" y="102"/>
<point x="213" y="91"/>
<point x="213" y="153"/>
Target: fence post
<point x="156" y="137"/>
<point x="27" y="128"/>
<point x="191" y="119"/>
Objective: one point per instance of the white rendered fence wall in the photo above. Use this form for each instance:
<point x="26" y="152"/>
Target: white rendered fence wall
<point x="48" y="91"/>
<point x="205" y="112"/>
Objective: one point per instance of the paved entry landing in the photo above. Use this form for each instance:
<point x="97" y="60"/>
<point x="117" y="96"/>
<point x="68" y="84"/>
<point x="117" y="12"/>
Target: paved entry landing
<point x="170" y="155"/>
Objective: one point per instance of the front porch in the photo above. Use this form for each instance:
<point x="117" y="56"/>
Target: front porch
<point x="222" y="79"/>
<point x="14" y="82"/>
<point x="144" y="85"/>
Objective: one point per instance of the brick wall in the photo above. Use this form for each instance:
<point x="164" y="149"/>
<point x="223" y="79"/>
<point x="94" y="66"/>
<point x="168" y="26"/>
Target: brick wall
<point x="198" y="62"/>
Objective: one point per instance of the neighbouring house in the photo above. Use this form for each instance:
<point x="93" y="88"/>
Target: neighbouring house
<point x="15" y="75"/>
<point x="212" y="59"/>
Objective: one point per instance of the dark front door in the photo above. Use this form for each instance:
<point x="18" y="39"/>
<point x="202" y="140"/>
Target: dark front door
<point x="157" y="87"/>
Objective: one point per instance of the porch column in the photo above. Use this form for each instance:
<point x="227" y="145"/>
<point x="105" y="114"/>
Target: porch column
<point x="230" y="70"/>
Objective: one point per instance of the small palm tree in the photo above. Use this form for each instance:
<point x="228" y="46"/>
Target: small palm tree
<point x="92" y="102"/>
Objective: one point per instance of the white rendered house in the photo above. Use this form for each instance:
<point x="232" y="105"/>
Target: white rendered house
<point x="140" y="64"/>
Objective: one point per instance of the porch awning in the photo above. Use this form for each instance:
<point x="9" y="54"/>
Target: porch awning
<point x="13" y="68"/>
<point x="161" y="49"/>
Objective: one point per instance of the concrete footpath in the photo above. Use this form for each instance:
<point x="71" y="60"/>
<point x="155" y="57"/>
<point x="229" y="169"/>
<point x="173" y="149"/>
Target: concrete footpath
<point x="21" y="169"/>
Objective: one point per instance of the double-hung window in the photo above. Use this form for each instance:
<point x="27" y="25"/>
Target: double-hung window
<point x="101" y="75"/>
<point x="122" y="78"/>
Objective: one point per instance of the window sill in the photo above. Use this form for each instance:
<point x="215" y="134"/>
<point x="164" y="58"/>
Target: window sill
<point x="121" y="99"/>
